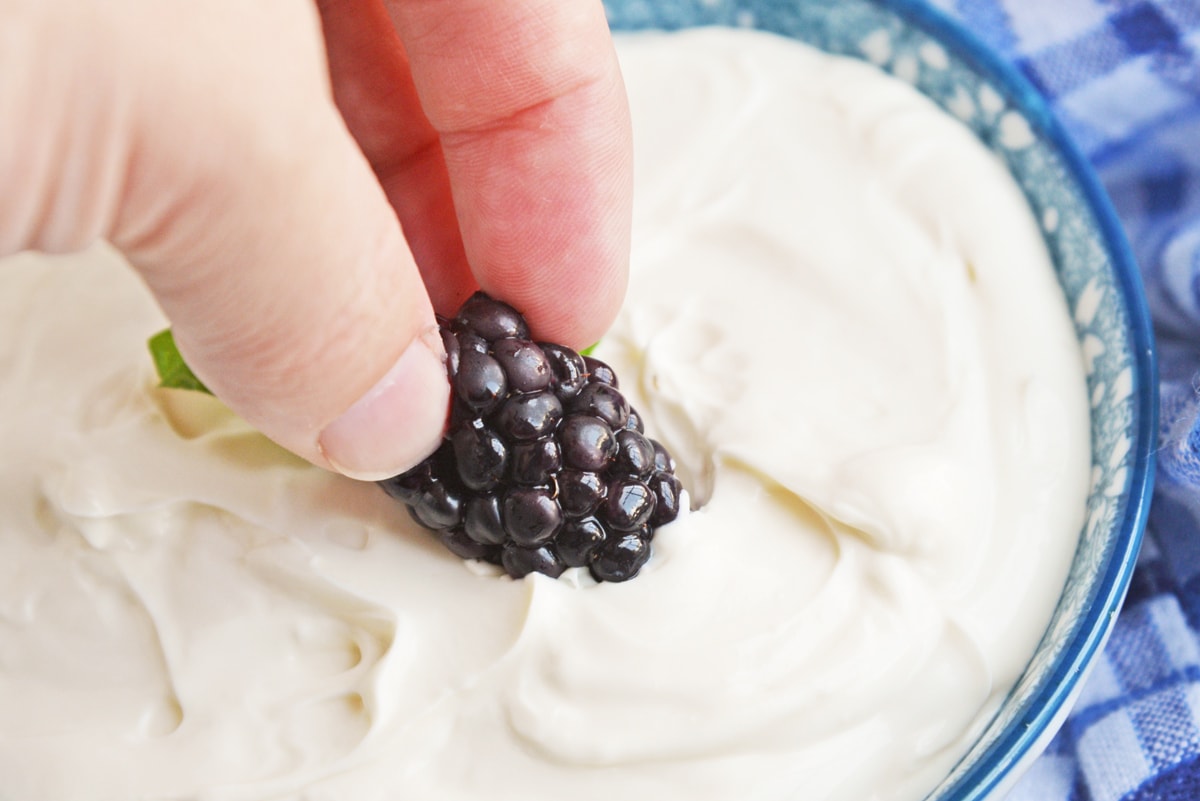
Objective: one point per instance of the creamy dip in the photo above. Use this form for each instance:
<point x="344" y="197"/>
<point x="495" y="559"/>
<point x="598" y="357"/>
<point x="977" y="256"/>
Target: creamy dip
<point x="844" y="323"/>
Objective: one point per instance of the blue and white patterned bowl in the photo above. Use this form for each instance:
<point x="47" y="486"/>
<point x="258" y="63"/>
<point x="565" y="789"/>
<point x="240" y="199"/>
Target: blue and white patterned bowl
<point x="1103" y="289"/>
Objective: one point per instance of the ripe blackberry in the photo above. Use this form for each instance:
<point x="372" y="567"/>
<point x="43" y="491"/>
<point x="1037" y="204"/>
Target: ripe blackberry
<point x="545" y="466"/>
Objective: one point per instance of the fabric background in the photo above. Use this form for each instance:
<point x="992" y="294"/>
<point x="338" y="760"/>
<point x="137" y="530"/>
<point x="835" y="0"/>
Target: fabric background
<point x="1124" y="77"/>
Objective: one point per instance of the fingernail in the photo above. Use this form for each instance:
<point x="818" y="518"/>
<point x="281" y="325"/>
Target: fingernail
<point x="398" y="422"/>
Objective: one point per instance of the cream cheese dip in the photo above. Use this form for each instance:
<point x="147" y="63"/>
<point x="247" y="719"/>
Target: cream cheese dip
<point x="842" y="321"/>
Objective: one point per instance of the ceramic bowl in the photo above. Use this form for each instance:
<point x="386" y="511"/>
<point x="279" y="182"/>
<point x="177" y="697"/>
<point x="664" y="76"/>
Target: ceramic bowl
<point x="1103" y="289"/>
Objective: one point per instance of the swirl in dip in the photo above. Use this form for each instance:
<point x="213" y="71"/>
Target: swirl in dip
<point x="843" y="322"/>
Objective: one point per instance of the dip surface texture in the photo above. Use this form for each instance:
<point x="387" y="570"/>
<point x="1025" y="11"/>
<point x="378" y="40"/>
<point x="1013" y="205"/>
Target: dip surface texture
<point x="843" y="323"/>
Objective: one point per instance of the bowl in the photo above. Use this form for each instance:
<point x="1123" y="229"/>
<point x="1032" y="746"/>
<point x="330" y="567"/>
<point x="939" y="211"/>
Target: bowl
<point x="1103" y="290"/>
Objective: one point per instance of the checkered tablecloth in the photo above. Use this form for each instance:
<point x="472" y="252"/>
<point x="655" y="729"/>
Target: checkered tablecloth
<point x="1124" y="77"/>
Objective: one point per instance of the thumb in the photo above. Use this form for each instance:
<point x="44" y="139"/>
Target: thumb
<point x="202" y="139"/>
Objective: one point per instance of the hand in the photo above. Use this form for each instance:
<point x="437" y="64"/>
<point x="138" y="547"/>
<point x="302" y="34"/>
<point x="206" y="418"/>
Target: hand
<point x="299" y="219"/>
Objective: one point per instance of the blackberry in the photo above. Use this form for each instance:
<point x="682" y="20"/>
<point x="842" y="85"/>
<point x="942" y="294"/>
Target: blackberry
<point x="545" y="466"/>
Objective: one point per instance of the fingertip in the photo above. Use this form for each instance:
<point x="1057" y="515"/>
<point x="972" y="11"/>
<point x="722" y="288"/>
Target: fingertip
<point x="398" y="422"/>
<point x="541" y="162"/>
<point x="572" y="307"/>
<point x="563" y="256"/>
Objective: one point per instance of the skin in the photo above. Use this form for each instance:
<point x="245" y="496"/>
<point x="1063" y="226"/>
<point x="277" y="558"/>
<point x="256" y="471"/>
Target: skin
<point x="302" y="185"/>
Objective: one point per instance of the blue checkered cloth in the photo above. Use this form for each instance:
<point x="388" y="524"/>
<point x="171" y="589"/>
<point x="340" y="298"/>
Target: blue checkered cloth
<point x="1124" y="77"/>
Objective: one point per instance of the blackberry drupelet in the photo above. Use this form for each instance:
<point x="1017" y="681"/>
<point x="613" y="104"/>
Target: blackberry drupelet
<point x="545" y="466"/>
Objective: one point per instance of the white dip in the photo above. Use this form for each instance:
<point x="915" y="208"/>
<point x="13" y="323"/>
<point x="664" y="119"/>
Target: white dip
<point x="843" y="322"/>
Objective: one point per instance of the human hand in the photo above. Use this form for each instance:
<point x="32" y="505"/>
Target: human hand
<point x="299" y="221"/>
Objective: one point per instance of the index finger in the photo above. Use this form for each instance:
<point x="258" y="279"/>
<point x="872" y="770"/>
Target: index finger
<point x="528" y="102"/>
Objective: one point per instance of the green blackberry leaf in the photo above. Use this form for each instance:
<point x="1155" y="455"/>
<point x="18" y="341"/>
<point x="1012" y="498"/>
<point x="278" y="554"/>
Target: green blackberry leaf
<point x="173" y="372"/>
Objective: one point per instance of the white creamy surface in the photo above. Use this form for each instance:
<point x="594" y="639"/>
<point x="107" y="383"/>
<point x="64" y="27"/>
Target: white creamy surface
<point x="842" y="321"/>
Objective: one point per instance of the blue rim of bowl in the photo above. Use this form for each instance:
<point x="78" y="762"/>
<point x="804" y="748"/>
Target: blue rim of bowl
<point x="993" y="766"/>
